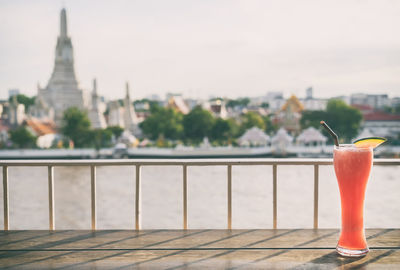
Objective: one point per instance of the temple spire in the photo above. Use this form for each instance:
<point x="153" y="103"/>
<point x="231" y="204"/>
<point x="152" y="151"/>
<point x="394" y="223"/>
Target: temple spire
<point x="130" y="118"/>
<point x="63" y="23"/>
<point x="94" y="86"/>
<point x="127" y="90"/>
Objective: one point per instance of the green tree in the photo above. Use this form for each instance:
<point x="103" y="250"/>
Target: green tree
<point x="242" y="102"/>
<point x="269" y="126"/>
<point x="22" y="138"/>
<point x="115" y="130"/>
<point x="223" y="131"/>
<point x="342" y="118"/>
<point x="152" y="103"/>
<point x="27" y="101"/>
<point x="251" y="119"/>
<point x="392" y="109"/>
<point x="76" y="126"/>
<point x="101" y="137"/>
<point x="197" y="124"/>
<point x="165" y="121"/>
<point x="313" y="118"/>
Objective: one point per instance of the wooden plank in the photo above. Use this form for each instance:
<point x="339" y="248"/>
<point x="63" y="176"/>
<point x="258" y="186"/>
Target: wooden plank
<point x="200" y="249"/>
<point x="203" y="259"/>
<point x="189" y="239"/>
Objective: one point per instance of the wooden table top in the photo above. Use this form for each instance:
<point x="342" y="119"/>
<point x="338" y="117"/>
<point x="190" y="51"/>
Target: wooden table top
<point x="192" y="249"/>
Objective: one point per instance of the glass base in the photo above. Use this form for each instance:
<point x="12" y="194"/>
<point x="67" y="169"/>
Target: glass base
<point x="352" y="252"/>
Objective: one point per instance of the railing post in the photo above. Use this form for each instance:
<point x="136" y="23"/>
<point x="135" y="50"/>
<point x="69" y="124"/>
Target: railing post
<point x="5" y="198"/>
<point x="316" y="182"/>
<point x="137" y="199"/>
<point x="274" y="195"/>
<point x="185" y="220"/>
<point x="229" y="197"/>
<point x="50" y="175"/>
<point x="93" y="195"/>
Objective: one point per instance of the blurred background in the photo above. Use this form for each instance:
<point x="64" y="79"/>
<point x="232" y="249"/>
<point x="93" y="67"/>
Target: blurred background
<point x="196" y="79"/>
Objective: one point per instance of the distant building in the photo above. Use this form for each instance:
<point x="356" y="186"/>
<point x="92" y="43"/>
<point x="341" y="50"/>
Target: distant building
<point x="4" y="109"/>
<point x="62" y="90"/>
<point x="41" y="109"/>
<point x="13" y="92"/>
<point x="309" y="93"/>
<point x="44" y="130"/>
<point x="364" y="109"/>
<point x="40" y="128"/>
<point x="16" y="113"/>
<point x="275" y="101"/>
<point x="4" y="128"/>
<point x="124" y="115"/>
<point x="382" y="124"/>
<point x="290" y="114"/>
<point x="218" y="109"/>
<point x="313" y="104"/>
<point x="375" y="101"/>
<point x="395" y="101"/>
<point x="178" y="103"/>
<point x="115" y="114"/>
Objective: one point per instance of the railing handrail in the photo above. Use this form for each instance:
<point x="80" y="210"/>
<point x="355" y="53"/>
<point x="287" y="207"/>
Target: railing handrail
<point x="188" y="162"/>
<point x="185" y="163"/>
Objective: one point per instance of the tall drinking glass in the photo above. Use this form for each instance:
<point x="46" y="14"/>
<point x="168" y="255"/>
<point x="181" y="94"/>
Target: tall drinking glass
<point x="352" y="168"/>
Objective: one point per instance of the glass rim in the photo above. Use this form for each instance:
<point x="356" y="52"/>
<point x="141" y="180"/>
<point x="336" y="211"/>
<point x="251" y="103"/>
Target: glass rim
<point x="350" y="146"/>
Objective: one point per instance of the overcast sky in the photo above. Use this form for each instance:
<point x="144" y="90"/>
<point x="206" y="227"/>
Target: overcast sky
<point x="208" y="47"/>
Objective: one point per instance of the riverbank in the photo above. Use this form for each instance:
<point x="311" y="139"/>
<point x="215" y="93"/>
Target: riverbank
<point x="186" y="152"/>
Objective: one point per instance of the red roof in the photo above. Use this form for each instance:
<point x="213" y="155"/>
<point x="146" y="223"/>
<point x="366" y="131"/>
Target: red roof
<point x="381" y="116"/>
<point x="41" y="128"/>
<point x="362" y="107"/>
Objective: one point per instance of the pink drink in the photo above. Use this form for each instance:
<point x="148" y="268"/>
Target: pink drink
<point x="352" y="168"/>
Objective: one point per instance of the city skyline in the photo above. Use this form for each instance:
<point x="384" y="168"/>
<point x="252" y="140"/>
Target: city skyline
<point x="200" y="49"/>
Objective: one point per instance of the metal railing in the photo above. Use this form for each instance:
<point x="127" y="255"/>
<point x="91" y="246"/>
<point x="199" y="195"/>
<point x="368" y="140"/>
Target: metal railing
<point x="184" y="163"/>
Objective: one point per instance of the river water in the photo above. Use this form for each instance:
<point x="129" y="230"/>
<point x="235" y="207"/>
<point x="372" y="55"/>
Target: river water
<point x="207" y="193"/>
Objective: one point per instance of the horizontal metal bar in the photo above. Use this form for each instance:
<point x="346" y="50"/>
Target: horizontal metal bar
<point x="181" y="162"/>
<point x="169" y="162"/>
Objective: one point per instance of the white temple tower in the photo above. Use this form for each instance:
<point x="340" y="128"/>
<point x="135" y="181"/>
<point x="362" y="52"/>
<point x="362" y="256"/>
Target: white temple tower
<point x="62" y="90"/>
<point x="96" y="117"/>
<point x="130" y="118"/>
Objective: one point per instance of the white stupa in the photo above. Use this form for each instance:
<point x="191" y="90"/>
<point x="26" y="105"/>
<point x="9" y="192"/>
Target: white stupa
<point x="254" y="137"/>
<point x="95" y="114"/>
<point x="311" y="136"/>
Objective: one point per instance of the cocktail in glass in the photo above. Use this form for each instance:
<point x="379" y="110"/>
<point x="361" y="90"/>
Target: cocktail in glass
<point x="352" y="168"/>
